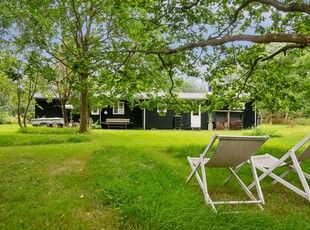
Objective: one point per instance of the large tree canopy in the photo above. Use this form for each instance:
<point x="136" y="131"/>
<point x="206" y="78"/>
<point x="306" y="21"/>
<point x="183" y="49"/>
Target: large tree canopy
<point x="127" y="47"/>
<point x="209" y="23"/>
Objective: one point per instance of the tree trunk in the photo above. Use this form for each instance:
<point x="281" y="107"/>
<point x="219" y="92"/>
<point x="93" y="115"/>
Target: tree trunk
<point x="270" y="120"/>
<point x="18" y="104"/>
<point x="84" y="106"/>
<point x="286" y="118"/>
<point x="25" y="113"/>
<point x="18" y="116"/>
<point x="64" y="112"/>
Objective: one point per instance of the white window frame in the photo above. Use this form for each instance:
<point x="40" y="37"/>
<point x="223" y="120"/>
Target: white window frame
<point x="95" y="112"/>
<point x="119" y="108"/>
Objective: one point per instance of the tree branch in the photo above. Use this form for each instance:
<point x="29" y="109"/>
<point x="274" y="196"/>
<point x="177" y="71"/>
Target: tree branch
<point x="233" y="20"/>
<point x="248" y="73"/>
<point x="187" y="7"/>
<point x="282" y="50"/>
<point x="303" y="40"/>
<point x="118" y="68"/>
<point x="169" y="70"/>
<point x="294" y="7"/>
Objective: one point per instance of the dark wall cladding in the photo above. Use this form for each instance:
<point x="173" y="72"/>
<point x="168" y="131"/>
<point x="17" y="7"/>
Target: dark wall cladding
<point x="155" y="121"/>
<point x="186" y="121"/>
<point x="95" y="118"/>
<point x="52" y="109"/>
<point x="204" y="120"/>
<point x="135" y="115"/>
<point x="152" y="118"/>
<point x="45" y="109"/>
<point x="248" y="116"/>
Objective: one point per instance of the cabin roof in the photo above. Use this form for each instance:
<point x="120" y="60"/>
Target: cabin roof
<point x="192" y="96"/>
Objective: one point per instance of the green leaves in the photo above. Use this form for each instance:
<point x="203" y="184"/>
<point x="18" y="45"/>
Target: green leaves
<point x="114" y="46"/>
<point x="282" y="83"/>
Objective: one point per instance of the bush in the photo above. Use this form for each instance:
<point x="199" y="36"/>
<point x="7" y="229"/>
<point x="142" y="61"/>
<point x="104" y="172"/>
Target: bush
<point x="255" y="131"/>
<point x="96" y="125"/>
<point x="301" y="121"/>
<point x="3" y="117"/>
<point x="12" y="120"/>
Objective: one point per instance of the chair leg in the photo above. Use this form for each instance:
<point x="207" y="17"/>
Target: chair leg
<point x="282" y="175"/>
<point x="202" y="183"/>
<point x="307" y="176"/>
<point x="256" y="180"/>
<point x="267" y="172"/>
<point x="236" y="170"/>
<point x="300" y="174"/>
<point x="280" y="180"/>
<point x="244" y="187"/>
<point x="203" y="155"/>
<point x="194" y="172"/>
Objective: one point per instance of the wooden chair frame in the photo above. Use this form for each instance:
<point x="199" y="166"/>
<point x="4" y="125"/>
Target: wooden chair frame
<point x="230" y="152"/>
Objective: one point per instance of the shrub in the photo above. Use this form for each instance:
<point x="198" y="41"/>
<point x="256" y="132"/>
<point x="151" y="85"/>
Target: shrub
<point x="3" y="117"/>
<point x="301" y="121"/>
<point x="255" y="131"/>
<point x="96" y="125"/>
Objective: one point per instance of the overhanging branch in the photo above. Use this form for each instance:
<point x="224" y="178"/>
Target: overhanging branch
<point x="169" y="70"/>
<point x="233" y="20"/>
<point x="262" y="59"/>
<point x="293" y="7"/>
<point x="301" y="39"/>
<point x="283" y="50"/>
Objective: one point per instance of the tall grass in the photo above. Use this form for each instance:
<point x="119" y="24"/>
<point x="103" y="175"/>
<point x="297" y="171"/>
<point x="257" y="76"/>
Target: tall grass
<point x="151" y="193"/>
<point x="41" y="135"/>
<point x="117" y="179"/>
<point x="301" y="121"/>
<point x="258" y="131"/>
<point x="47" y="130"/>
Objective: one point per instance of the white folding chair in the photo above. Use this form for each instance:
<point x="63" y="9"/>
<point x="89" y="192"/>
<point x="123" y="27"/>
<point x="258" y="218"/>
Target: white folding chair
<point x="267" y="164"/>
<point x="230" y="152"/>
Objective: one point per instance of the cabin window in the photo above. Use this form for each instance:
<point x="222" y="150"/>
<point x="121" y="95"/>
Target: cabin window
<point x="119" y="108"/>
<point x="95" y="112"/>
<point x="195" y="113"/>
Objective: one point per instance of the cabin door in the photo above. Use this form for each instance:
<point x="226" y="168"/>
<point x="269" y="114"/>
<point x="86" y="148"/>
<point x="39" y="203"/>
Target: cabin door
<point x="195" y="120"/>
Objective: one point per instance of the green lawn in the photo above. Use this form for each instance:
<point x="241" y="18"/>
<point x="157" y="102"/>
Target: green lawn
<point x="130" y="179"/>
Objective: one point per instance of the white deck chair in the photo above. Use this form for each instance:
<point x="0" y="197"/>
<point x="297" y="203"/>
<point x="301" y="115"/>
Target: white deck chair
<point x="267" y="164"/>
<point x="230" y="152"/>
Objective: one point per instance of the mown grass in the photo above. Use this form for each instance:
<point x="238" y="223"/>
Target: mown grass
<point x="134" y="179"/>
